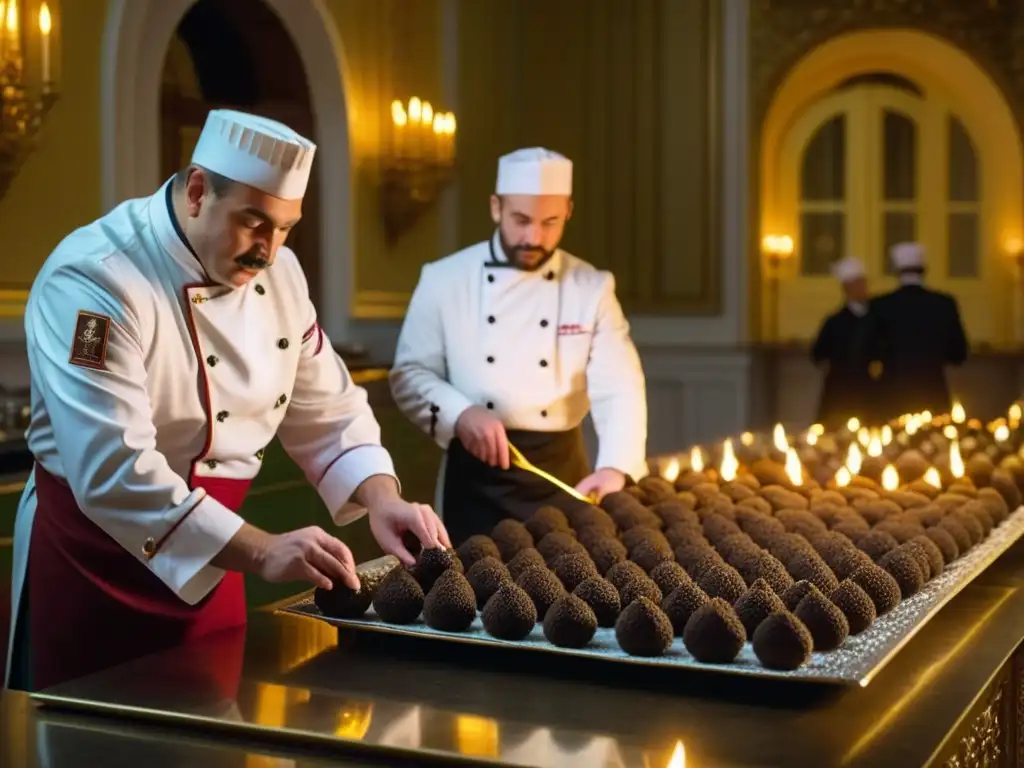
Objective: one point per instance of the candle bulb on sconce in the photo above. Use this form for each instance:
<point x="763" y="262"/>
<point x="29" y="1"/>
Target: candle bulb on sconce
<point x="45" y="27"/>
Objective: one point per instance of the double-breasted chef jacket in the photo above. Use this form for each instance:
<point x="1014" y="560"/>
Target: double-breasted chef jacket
<point x="538" y="348"/>
<point x="154" y="395"/>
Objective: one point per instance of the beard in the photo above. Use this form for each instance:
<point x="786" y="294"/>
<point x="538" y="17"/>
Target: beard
<point x="526" y="256"/>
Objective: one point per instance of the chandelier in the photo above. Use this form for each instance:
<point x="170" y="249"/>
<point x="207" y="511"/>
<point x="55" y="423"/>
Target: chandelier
<point x="27" y="89"/>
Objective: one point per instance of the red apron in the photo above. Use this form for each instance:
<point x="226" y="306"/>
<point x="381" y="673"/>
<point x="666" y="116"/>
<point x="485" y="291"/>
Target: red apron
<point x="93" y="605"/>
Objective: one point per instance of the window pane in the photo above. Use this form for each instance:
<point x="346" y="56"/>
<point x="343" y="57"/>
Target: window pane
<point x="822" y="241"/>
<point x="823" y="176"/>
<point x="964" y="245"/>
<point x="963" y="164"/>
<point x="900" y="139"/>
<point x="897" y="227"/>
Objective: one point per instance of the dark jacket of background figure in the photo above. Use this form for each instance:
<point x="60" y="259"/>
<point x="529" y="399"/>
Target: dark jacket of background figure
<point x="915" y="332"/>
<point x="848" y="389"/>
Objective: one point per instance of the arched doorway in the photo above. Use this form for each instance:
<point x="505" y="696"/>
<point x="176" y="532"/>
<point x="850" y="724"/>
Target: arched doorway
<point x="217" y="58"/>
<point x="886" y="136"/>
<point x="137" y="37"/>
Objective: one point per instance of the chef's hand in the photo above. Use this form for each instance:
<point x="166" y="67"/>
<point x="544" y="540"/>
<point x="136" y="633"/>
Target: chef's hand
<point x="308" y="554"/>
<point x="483" y="435"/>
<point x="601" y="483"/>
<point x="391" y="516"/>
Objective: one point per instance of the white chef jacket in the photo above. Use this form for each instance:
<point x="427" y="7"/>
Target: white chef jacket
<point x="539" y="348"/>
<point x="197" y="378"/>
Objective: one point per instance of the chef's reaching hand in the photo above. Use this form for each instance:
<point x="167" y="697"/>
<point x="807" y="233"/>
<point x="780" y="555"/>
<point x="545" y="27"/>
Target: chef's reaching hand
<point x="601" y="483"/>
<point x="308" y="554"/>
<point x="391" y="516"/>
<point x="483" y="435"/>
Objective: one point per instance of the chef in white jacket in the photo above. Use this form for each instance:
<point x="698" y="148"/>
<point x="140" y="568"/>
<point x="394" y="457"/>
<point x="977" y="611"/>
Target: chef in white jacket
<point x="169" y="342"/>
<point x="512" y="341"/>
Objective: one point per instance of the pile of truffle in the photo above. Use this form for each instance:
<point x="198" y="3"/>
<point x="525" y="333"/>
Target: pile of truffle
<point x="790" y="568"/>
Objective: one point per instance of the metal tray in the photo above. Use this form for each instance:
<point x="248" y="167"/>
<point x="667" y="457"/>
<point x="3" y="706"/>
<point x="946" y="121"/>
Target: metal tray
<point x="856" y="663"/>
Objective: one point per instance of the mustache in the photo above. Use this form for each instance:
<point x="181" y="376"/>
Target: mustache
<point x="253" y="259"/>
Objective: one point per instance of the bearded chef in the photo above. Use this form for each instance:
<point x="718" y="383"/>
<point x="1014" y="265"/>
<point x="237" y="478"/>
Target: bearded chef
<point x="169" y="342"/>
<point x="509" y="343"/>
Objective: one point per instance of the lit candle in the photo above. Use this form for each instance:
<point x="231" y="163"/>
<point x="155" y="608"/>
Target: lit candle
<point x="958" y="414"/>
<point x="671" y="470"/>
<point x="794" y="470"/>
<point x="400" y="120"/>
<point x="854" y="459"/>
<point x="13" y="42"/>
<point x="933" y="478"/>
<point x="890" y="478"/>
<point x="415" y="110"/>
<point x="696" y="460"/>
<point x="729" y="466"/>
<point x="45" y="25"/>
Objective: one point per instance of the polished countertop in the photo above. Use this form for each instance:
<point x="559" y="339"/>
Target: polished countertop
<point x="299" y="683"/>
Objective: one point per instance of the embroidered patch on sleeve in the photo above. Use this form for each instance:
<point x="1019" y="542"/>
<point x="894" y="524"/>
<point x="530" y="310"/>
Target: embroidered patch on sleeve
<point x="89" y="347"/>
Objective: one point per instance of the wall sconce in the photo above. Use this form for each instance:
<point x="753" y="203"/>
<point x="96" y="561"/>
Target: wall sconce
<point x="1014" y="248"/>
<point x="27" y="87"/>
<point x="417" y="164"/>
<point x="777" y="249"/>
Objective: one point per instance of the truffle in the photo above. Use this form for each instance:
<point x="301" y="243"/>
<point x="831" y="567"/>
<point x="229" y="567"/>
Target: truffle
<point x="800" y="521"/>
<point x="855" y="604"/>
<point x="634" y="536"/>
<point x="622" y="573"/>
<point x="901" y="565"/>
<point x="526" y="559"/>
<point x="724" y="582"/>
<point x="657" y="488"/>
<point x="809" y="565"/>
<point x="714" y="634"/>
<point x="477" y="547"/>
<point x="543" y="588"/>
<point x="602" y="598"/>
<point x="1003" y="483"/>
<point x="642" y="629"/>
<point x="674" y="511"/>
<point x="511" y="537"/>
<point x="485" y="577"/>
<point x="936" y="561"/>
<point x="768" y="567"/>
<point x="649" y="556"/>
<point x="876" y="543"/>
<point x="430" y="564"/>
<point x="546" y="520"/>
<point x="680" y="534"/>
<point x="451" y="604"/>
<point x="691" y="555"/>
<point x="573" y="569"/>
<point x="680" y="604"/>
<point x="399" y="598"/>
<point x="782" y="642"/>
<point x="995" y="503"/>
<point x="970" y="524"/>
<point x="668" y="576"/>
<point x="640" y="587"/>
<point x="704" y="563"/>
<point x="791" y="597"/>
<point x="954" y="528"/>
<point x="606" y="552"/>
<point x="826" y="623"/>
<point x="510" y="613"/>
<point x="945" y="542"/>
<point x="556" y="544"/>
<point x="756" y="604"/>
<point x="570" y="622"/>
<point x="845" y="562"/>
<point x="716" y="528"/>
<point x="592" y="518"/>
<point x="342" y="602"/>
<point x="880" y="587"/>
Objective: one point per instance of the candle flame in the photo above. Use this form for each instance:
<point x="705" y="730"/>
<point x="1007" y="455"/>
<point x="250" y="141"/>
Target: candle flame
<point x="913" y="424"/>
<point x="854" y="459"/>
<point x="696" y="460"/>
<point x="779" y="438"/>
<point x="794" y="471"/>
<point x="950" y="432"/>
<point x="45" y="20"/>
<point x="398" y="115"/>
<point x="926" y="416"/>
<point x="729" y="466"/>
<point x="853" y="424"/>
<point x="886" y="434"/>
<point x="956" y="461"/>
<point x="1002" y="433"/>
<point x="811" y="439"/>
<point x="818" y="429"/>
<point x="747" y="438"/>
<point x="427" y="113"/>
<point x="415" y="109"/>
<point x="863" y="436"/>
<point x="1015" y="412"/>
<point x="958" y="414"/>
<point x="843" y="477"/>
<point x="874" y="446"/>
<point x="678" y="759"/>
<point x="671" y="470"/>
<point x="933" y="478"/>
<point x="890" y="478"/>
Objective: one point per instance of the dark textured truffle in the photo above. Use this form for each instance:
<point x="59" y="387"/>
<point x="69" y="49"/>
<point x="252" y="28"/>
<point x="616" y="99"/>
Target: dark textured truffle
<point x="602" y="598"/>
<point x="901" y="565"/>
<point x="570" y="622"/>
<point x="953" y="527"/>
<point x="920" y="557"/>
<point x="810" y="567"/>
<point x="880" y="587"/>
<point x="945" y="542"/>
<point x="936" y="562"/>
<point x="622" y="573"/>
<point x="524" y="561"/>
<point x="431" y="563"/>
<point x="855" y="604"/>
<point x="640" y="587"/>
<point x="782" y="642"/>
<point x="642" y="629"/>
<point x="680" y="604"/>
<point x="511" y="537"/>
<point x="546" y="520"/>
<point x="606" y="552"/>
<point x="573" y="569"/>
<point x="543" y="588"/>
<point x="556" y="544"/>
<point x="970" y="524"/>
<point x="714" y="634"/>
<point x="510" y="613"/>
<point x="649" y="555"/>
<point x="399" y="598"/>
<point x="697" y="558"/>
<point x="768" y="567"/>
<point x="477" y="547"/>
<point x="843" y="562"/>
<point x="826" y="623"/>
<point x="724" y="582"/>
<point x="634" y="536"/>
<point x="791" y="597"/>
<point x="668" y="576"/>
<point x="485" y="577"/>
<point x="756" y="604"/>
<point x="450" y="605"/>
<point x="342" y="602"/>
<point x="876" y="543"/>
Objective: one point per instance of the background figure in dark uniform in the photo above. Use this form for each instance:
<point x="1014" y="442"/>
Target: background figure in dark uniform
<point x="915" y="333"/>
<point x="848" y="388"/>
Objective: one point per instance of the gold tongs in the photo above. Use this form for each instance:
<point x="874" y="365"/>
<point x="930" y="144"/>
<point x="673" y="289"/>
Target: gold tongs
<point x="520" y="461"/>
